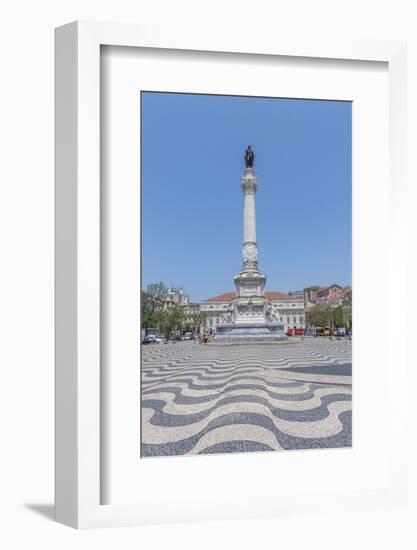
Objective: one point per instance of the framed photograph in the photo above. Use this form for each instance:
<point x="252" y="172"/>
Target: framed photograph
<point x="228" y="212"/>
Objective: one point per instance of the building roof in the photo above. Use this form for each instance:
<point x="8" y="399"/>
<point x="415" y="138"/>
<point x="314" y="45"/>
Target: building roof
<point x="271" y="295"/>
<point x="274" y="295"/>
<point x="226" y="297"/>
<point x="320" y="288"/>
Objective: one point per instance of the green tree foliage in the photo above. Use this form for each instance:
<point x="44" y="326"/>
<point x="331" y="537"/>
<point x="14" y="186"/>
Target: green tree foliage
<point x="152" y="301"/>
<point x="325" y="316"/>
<point x="347" y="308"/>
<point x="196" y="320"/>
<point x="170" y="319"/>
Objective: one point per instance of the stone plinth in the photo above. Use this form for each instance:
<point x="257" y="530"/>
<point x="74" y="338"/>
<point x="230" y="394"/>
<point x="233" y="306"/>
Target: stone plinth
<point x="250" y="332"/>
<point x="250" y="304"/>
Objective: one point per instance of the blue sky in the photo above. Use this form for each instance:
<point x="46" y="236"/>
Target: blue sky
<point x="192" y="204"/>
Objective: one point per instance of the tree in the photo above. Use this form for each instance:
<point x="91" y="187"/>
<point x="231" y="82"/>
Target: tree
<point x="319" y="316"/>
<point x="152" y="301"/>
<point x="170" y="319"/>
<point x="347" y="308"/>
<point x="338" y="316"/>
<point x="197" y="319"/>
<point x="202" y="320"/>
<point x="326" y="316"/>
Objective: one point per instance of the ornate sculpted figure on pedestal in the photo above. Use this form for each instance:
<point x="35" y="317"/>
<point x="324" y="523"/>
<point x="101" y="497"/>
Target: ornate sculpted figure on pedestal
<point x="249" y="157"/>
<point x="250" y="252"/>
<point x="227" y="316"/>
<point x="271" y="313"/>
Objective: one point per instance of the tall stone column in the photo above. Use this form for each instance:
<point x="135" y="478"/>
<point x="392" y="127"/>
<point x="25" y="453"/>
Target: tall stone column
<point x="247" y="321"/>
<point x="250" y="303"/>
<point x="250" y="249"/>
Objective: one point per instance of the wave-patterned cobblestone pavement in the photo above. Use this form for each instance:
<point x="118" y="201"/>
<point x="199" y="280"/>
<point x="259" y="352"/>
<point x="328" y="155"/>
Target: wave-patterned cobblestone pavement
<point x="208" y="398"/>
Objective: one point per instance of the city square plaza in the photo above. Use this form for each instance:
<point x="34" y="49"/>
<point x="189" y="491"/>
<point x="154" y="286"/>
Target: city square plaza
<point x="220" y="398"/>
<point x="252" y="388"/>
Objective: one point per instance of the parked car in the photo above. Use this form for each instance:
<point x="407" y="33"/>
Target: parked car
<point x="175" y="338"/>
<point x="153" y="339"/>
<point x="188" y="336"/>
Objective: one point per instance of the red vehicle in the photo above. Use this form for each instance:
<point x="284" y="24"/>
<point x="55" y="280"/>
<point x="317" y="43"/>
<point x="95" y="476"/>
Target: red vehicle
<point x="295" y="332"/>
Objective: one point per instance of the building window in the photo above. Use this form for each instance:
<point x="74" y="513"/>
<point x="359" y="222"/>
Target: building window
<point x="288" y="320"/>
<point x="295" y="319"/>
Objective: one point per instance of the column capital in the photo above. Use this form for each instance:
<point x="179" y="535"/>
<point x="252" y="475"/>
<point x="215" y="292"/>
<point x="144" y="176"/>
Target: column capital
<point x="249" y="181"/>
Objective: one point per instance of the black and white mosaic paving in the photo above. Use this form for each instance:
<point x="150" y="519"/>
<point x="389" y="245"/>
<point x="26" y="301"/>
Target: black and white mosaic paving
<point x="208" y="398"/>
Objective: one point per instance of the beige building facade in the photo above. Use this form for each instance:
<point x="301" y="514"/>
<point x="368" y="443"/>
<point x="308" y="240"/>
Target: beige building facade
<point x="283" y="308"/>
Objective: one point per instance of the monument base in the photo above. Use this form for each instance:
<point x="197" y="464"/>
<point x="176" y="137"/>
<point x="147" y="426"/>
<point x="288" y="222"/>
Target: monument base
<point x="250" y="332"/>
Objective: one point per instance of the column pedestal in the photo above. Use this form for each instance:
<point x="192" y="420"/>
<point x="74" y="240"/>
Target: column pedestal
<point x="250" y="332"/>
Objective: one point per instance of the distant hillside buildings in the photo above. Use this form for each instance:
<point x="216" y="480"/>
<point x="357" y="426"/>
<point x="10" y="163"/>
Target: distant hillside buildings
<point x="176" y="296"/>
<point x="332" y="295"/>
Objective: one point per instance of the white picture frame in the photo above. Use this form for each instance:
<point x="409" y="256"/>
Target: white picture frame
<point x="78" y="405"/>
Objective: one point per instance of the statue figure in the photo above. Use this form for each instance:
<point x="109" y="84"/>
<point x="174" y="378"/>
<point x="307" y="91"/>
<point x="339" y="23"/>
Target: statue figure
<point x="249" y="157"/>
<point x="268" y="310"/>
<point x="272" y="313"/>
<point x="227" y="316"/>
